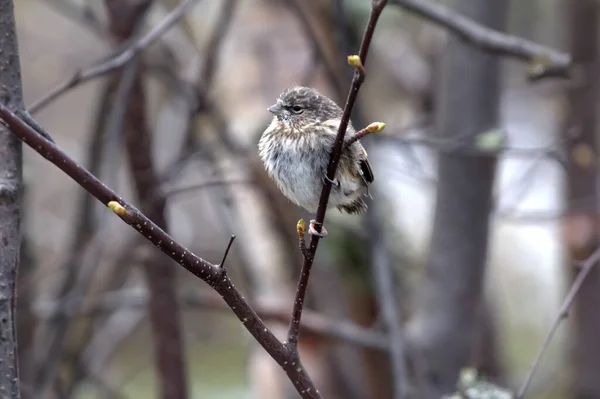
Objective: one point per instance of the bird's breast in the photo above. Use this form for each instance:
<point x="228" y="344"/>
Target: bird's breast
<point x="297" y="169"/>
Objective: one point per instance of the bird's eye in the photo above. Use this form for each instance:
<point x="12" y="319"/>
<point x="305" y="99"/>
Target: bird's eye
<point x="297" y="109"/>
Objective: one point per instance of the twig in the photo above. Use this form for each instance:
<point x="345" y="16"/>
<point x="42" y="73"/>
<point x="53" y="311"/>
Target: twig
<point x="213" y="275"/>
<point x="231" y="239"/>
<point x="543" y="61"/>
<point x="115" y="61"/>
<point x="359" y="76"/>
<point x="586" y="268"/>
<point x="200" y="186"/>
<point x="374" y="127"/>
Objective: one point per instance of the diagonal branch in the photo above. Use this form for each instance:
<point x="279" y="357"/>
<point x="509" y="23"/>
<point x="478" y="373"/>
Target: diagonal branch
<point x="586" y="268"/>
<point x="543" y="61"/>
<point x="115" y="61"/>
<point x="213" y="275"/>
<point x="309" y="257"/>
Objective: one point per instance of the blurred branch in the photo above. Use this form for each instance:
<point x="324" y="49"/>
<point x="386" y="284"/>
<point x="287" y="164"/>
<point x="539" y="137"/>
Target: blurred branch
<point x="586" y="268"/>
<point x="312" y="323"/>
<point x="80" y="269"/>
<point x="218" y="35"/>
<point x="81" y="14"/>
<point x="115" y="61"/>
<point x="11" y="184"/>
<point x="384" y="288"/>
<point x="129" y="118"/>
<point x="543" y="61"/>
<point x="213" y="275"/>
<point x="359" y="76"/>
<point x="464" y="146"/>
<point x="319" y="52"/>
<point x="171" y="192"/>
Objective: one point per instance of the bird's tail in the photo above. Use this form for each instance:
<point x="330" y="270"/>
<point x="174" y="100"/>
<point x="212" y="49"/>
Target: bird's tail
<point x="357" y="207"/>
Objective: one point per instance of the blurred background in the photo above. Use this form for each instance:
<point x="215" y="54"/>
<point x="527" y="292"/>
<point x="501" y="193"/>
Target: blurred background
<point x="480" y="249"/>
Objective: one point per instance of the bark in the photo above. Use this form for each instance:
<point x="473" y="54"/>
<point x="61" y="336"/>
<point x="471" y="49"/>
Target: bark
<point x="11" y="180"/>
<point x="447" y="321"/>
<point x="582" y="227"/>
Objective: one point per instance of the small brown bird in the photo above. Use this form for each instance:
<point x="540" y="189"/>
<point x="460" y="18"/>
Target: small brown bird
<point x="296" y="148"/>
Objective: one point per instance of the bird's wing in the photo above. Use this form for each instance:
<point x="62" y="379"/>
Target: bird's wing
<point x="365" y="166"/>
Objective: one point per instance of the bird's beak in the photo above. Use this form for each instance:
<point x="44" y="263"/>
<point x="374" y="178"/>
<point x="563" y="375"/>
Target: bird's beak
<point x="275" y="109"/>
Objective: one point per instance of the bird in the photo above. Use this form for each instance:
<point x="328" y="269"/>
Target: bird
<point x="296" y="148"/>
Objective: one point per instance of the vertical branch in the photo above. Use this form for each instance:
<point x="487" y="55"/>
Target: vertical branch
<point x="11" y="181"/>
<point x="384" y="279"/>
<point x="357" y="80"/>
<point x="161" y="277"/>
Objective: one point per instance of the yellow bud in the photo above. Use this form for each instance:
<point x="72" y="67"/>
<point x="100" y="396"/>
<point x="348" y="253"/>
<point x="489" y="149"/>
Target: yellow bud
<point x="354" y="60"/>
<point x="117" y="208"/>
<point x="375" y="127"/>
<point x="301" y="227"/>
<point x="583" y="155"/>
<point x="538" y="65"/>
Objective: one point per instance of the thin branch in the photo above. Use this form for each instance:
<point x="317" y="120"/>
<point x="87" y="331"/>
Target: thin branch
<point x="115" y="61"/>
<point x="231" y="239"/>
<point x="465" y="147"/>
<point x="374" y="127"/>
<point x="543" y="61"/>
<point x="213" y="275"/>
<point x="171" y="192"/>
<point x="586" y="268"/>
<point x="359" y="76"/>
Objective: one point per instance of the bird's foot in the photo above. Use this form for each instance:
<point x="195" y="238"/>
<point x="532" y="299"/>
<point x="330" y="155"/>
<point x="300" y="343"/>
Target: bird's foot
<point x="333" y="182"/>
<point x="314" y="232"/>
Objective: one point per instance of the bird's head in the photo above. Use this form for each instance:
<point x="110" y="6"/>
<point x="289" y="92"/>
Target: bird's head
<point x="300" y="106"/>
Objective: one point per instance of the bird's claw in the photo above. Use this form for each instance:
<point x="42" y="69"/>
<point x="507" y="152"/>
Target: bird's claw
<point x="333" y="182"/>
<point x="314" y="232"/>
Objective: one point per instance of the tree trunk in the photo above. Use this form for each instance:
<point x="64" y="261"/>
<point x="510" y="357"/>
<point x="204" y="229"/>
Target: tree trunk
<point x="582" y="227"/>
<point x="447" y="321"/>
<point x="11" y="180"/>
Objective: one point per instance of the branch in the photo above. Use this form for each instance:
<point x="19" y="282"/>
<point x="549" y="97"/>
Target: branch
<point x="313" y="323"/>
<point x="129" y="118"/>
<point x="213" y="275"/>
<point x="359" y="76"/>
<point x="384" y="278"/>
<point x="543" y="61"/>
<point x="117" y="60"/>
<point x="585" y="270"/>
